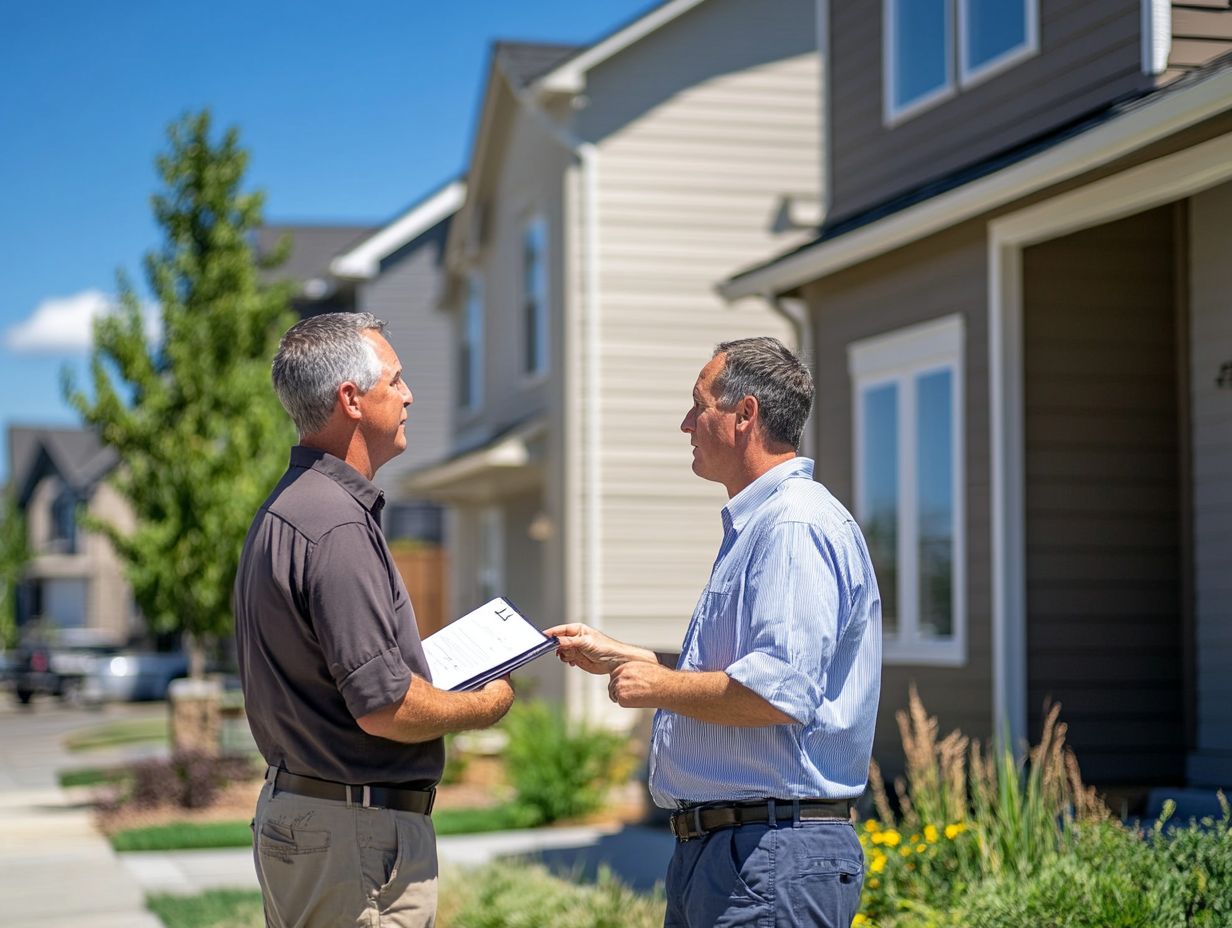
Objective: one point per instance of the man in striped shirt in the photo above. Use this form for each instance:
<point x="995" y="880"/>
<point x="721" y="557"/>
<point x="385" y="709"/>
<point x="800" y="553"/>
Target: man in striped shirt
<point x="764" y="727"/>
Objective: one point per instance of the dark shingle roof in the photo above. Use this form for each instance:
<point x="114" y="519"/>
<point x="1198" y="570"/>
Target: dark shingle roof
<point x="522" y="62"/>
<point x="312" y="247"/>
<point x="77" y="455"/>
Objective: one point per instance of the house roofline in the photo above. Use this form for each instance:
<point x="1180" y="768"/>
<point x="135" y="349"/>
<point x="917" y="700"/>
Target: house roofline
<point x="570" y="76"/>
<point x="1096" y="147"/>
<point x="363" y="262"/>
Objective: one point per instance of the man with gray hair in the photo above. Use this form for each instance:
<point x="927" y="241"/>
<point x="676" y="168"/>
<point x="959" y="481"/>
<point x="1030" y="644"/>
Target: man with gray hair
<point x="336" y="687"/>
<point x="764" y="727"/>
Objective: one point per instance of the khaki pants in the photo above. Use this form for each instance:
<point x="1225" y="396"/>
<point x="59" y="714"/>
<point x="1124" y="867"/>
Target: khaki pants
<point x="321" y="863"/>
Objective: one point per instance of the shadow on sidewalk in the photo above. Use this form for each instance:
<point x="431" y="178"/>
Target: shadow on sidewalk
<point x="637" y="855"/>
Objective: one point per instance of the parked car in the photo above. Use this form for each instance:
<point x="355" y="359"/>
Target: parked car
<point x="81" y="670"/>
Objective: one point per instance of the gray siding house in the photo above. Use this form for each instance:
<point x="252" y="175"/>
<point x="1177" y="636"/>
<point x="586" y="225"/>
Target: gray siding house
<point x="1021" y="313"/>
<point x="608" y="187"/>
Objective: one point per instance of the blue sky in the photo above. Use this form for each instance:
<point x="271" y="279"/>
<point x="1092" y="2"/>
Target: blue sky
<point x="349" y="113"/>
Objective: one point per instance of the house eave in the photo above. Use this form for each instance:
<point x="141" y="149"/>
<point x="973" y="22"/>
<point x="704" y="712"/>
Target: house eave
<point x="363" y="262"/>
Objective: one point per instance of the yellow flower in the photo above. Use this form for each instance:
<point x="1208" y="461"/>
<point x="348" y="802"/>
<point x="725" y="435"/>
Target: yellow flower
<point x="930" y="833"/>
<point x="921" y="848"/>
<point x="873" y="883"/>
<point x="871" y="826"/>
<point x="890" y="837"/>
<point x="878" y="864"/>
<point x="905" y="850"/>
<point x="953" y="831"/>
<point x="860" y="919"/>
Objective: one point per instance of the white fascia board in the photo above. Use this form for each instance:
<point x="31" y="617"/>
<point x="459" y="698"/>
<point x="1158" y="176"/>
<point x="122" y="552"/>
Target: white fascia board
<point x="363" y="261"/>
<point x="1085" y="152"/>
<point x="1156" y="36"/>
<point x="570" y="77"/>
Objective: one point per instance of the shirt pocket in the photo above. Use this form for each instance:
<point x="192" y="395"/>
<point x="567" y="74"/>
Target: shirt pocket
<point x="717" y="629"/>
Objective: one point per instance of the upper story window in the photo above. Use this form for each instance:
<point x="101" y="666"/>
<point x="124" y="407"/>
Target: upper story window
<point x="535" y="296"/>
<point x="933" y="47"/>
<point x="64" y="523"/>
<point x="907" y="390"/>
<point x="470" y="346"/>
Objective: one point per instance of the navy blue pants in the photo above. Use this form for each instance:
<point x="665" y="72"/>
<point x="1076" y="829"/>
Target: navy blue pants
<point x="798" y="874"/>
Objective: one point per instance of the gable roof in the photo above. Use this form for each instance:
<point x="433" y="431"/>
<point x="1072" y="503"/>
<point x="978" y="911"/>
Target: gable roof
<point x="312" y="247"/>
<point x="1119" y="129"/>
<point x="77" y="456"/>
<point x="523" y="62"/>
<point x="363" y="260"/>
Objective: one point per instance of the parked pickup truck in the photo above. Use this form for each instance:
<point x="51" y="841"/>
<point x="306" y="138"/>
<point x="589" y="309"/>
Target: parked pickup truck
<point x="91" y="673"/>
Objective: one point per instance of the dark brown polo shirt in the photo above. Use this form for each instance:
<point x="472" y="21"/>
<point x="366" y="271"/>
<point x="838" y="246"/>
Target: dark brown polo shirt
<point x="325" y="629"/>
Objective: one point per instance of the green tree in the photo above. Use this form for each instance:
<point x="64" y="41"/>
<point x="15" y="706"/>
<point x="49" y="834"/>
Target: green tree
<point x="200" y="435"/>
<point x="14" y="555"/>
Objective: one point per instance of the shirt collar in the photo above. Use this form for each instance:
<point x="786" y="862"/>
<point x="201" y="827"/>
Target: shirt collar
<point x="366" y="493"/>
<point x="742" y="506"/>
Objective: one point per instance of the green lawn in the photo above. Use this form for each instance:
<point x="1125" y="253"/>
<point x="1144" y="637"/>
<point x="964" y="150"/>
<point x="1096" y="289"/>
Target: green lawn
<point x="92" y="776"/>
<point x="177" y="836"/>
<point x="218" y="908"/>
<point x="117" y="734"/>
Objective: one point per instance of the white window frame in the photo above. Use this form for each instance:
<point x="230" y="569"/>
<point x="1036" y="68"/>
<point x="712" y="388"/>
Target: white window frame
<point x="473" y="326"/>
<point x="959" y="74"/>
<point x="898" y="358"/>
<point x="542" y="310"/>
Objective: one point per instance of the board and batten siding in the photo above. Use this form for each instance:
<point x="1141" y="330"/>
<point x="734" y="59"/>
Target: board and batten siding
<point x="1103" y="556"/>
<point x="406" y="294"/>
<point x="701" y="127"/>
<point x="1089" y="54"/>
<point x="1210" y="295"/>
<point x="930" y="279"/>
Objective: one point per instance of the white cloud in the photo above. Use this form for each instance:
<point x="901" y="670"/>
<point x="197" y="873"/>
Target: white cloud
<point x="66" y="324"/>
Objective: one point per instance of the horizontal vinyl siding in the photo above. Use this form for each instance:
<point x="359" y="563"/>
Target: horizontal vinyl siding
<point x="1102" y="534"/>
<point x="700" y="128"/>
<point x="1210" y="240"/>
<point x="407" y="294"/>
<point x="1090" y="53"/>
<point x="942" y="275"/>
<point x="1200" y="33"/>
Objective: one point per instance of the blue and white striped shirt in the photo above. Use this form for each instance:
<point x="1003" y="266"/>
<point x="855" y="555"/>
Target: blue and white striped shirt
<point x="793" y="613"/>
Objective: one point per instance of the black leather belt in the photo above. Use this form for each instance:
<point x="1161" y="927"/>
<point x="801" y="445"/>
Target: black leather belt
<point x="695" y="821"/>
<point x="402" y="799"/>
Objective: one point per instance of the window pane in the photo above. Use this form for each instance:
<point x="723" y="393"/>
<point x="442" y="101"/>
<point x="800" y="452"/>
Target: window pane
<point x="934" y="492"/>
<point x="920" y="45"/>
<point x="534" y="282"/>
<point x="879" y="481"/>
<point x="993" y="28"/>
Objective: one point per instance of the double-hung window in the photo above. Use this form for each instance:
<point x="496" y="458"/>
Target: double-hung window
<point x="907" y="390"/>
<point x="535" y="296"/>
<point x="933" y="47"/>
<point x="470" y="353"/>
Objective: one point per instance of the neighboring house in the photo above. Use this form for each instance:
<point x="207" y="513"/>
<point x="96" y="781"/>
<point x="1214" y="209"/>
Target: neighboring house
<point x="608" y="188"/>
<point x="396" y="272"/>
<point x="75" y="579"/>
<point x="1021" y="313"/>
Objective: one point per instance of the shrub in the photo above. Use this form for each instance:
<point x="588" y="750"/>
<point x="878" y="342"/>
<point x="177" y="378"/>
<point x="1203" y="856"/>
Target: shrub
<point x="189" y="779"/>
<point x="511" y="895"/>
<point x="557" y="773"/>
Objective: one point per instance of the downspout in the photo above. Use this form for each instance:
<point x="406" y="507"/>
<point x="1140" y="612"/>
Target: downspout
<point x="587" y="156"/>
<point x="795" y="311"/>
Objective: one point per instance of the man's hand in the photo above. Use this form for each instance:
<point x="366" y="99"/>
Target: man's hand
<point x="426" y="712"/>
<point x="639" y="685"/>
<point x="581" y="646"/>
<point x="500" y="691"/>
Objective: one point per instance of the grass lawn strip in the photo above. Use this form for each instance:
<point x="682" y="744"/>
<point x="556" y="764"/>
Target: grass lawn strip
<point x="218" y="908"/>
<point x="117" y="734"/>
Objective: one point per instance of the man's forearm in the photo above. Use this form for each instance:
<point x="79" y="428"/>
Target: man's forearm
<point x="708" y="696"/>
<point x="426" y="713"/>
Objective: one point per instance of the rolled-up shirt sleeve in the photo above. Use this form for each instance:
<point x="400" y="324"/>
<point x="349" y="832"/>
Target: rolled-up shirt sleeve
<point x="353" y="613"/>
<point x="790" y="618"/>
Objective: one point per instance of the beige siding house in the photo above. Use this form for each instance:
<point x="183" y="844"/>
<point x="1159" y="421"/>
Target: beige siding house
<point x="609" y="187"/>
<point x="1023" y="334"/>
<point x="75" y="579"/>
